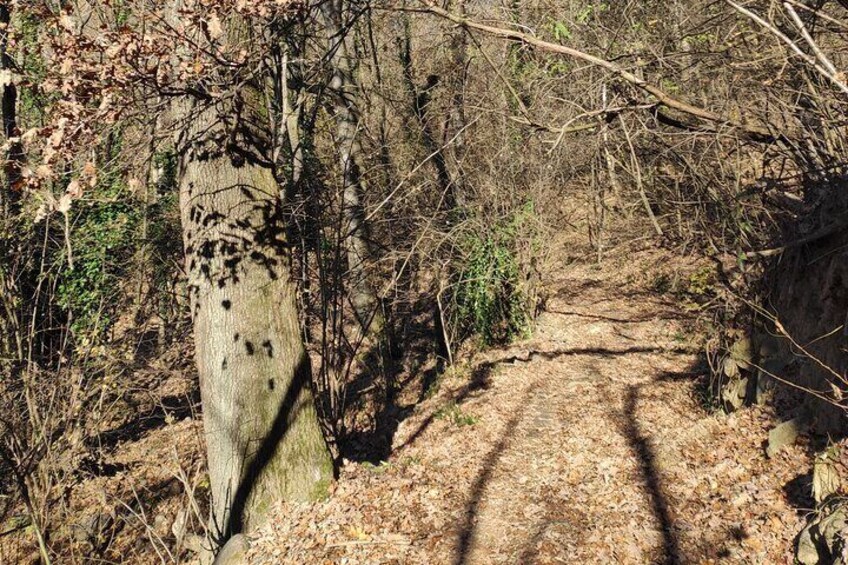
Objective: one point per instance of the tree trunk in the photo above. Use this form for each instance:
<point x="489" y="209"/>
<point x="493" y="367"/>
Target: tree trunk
<point x="363" y="298"/>
<point x="10" y="195"/>
<point x="420" y="100"/>
<point x="263" y="437"/>
<point x="456" y="121"/>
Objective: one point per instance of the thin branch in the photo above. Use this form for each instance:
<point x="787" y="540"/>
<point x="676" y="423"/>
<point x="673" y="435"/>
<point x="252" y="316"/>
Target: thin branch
<point x="792" y="45"/>
<point x="815" y="236"/>
<point x="809" y="39"/>
<point x="819" y="14"/>
<point x="637" y="173"/>
<point x="752" y="132"/>
<point x="414" y="170"/>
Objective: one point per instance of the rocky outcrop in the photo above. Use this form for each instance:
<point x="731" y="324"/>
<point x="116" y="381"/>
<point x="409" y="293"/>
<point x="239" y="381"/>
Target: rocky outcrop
<point x="823" y="540"/>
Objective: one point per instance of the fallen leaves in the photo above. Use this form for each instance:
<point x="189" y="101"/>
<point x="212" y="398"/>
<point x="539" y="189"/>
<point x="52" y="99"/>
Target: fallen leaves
<point x="550" y="470"/>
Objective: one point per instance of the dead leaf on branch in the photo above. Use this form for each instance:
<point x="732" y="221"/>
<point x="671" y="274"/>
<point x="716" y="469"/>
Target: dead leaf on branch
<point x="63" y="205"/>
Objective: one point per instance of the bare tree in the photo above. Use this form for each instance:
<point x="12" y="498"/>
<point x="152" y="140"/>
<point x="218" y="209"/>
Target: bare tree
<point x="348" y="130"/>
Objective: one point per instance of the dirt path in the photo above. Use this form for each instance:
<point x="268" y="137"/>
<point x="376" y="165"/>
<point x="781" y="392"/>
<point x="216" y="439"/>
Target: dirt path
<point x="585" y="444"/>
<point x="577" y="471"/>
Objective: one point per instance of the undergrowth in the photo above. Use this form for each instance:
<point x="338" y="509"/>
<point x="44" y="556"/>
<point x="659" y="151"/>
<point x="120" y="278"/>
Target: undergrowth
<point x="106" y="245"/>
<point x="455" y="415"/>
<point x="493" y="298"/>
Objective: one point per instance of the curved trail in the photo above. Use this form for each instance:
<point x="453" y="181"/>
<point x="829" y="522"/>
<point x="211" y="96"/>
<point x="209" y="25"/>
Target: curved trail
<point x="585" y="444"/>
<point x="576" y="466"/>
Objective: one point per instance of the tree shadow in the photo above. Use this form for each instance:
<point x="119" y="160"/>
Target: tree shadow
<point x="644" y="452"/>
<point x="595" y="351"/>
<point x="467" y="529"/>
<point x="176" y="407"/>
<point x="390" y="370"/>
<point x="531" y="551"/>
<point x="571" y="292"/>
<point x="480" y="380"/>
<point x="639" y="443"/>
<point x="798" y="492"/>
<point x="481" y="376"/>
<point x="637" y="320"/>
<point x="379" y="373"/>
<point x="642" y="448"/>
<point x="287" y="413"/>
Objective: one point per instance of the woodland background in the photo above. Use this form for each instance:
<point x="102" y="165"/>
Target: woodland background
<point x="428" y="161"/>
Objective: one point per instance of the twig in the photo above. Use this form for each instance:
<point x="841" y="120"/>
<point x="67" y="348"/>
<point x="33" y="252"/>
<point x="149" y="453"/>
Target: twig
<point x="414" y="170"/>
<point x="782" y="330"/>
<point x="809" y="39"/>
<point x="637" y="173"/>
<point x="819" y="14"/>
<point x="445" y="335"/>
<point x="791" y="44"/>
<point x="815" y="236"/>
<point x="366" y="542"/>
<point x="803" y="389"/>
<point x="754" y="133"/>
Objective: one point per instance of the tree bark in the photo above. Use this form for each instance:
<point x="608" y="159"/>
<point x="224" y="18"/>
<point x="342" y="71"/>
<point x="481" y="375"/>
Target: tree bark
<point x="456" y="122"/>
<point x="343" y="84"/>
<point x="263" y="437"/>
<point x="420" y="100"/>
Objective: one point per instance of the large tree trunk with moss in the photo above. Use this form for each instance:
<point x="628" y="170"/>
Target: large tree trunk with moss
<point x="363" y="298"/>
<point x="262" y="433"/>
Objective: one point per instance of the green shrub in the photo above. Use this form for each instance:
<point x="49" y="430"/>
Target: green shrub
<point x="490" y="292"/>
<point x="455" y="415"/>
<point x="701" y="282"/>
<point x="108" y="240"/>
<point x="102" y="245"/>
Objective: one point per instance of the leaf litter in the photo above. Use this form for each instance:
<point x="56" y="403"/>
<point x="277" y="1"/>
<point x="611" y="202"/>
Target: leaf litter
<point x="588" y="443"/>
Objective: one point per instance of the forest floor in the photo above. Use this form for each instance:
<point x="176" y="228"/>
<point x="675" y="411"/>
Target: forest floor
<point x="588" y="443"/>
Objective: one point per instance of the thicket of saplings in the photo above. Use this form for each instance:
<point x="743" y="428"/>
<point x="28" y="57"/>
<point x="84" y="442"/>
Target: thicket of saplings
<point x="475" y="152"/>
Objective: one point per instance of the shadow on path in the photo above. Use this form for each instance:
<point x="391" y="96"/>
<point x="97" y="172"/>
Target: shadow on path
<point x="642" y="449"/>
<point x="478" y="489"/>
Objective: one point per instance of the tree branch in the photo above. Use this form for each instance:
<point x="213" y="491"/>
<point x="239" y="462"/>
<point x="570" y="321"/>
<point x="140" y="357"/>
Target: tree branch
<point x="832" y="77"/>
<point x="751" y="132"/>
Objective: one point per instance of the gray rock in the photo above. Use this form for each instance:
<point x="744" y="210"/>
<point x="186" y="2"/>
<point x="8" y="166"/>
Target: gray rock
<point x="823" y="539"/>
<point x="15" y="523"/>
<point x="92" y="527"/>
<point x="826" y="479"/>
<point x="201" y="546"/>
<point x="234" y="551"/>
<point x="783" y="434"/>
